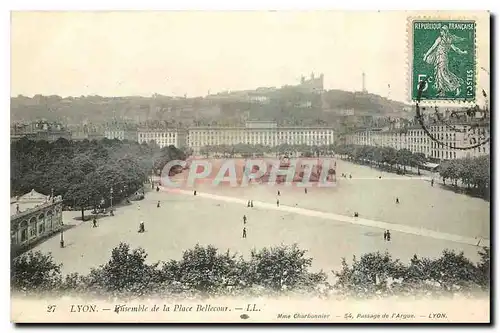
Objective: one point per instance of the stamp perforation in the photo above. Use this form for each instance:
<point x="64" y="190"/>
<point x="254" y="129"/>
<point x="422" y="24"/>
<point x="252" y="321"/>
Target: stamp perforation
<point x="410" y="58"/>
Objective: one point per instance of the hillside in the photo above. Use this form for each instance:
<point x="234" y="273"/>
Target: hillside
<point x="285" y="105"/>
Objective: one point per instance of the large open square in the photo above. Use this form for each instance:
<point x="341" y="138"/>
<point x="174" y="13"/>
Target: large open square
<point x="215" y="216"/>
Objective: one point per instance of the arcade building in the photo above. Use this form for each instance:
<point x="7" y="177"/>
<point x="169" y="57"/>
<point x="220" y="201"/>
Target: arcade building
<point x="33" y="216"/>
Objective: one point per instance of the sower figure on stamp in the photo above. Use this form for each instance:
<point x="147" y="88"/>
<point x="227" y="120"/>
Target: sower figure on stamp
<point x="437" y="56"/>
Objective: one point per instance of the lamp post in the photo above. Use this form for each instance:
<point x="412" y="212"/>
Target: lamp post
<point x="152" y="181"/>
<point x="111" y="201"/>
<point x="62" y="239"/>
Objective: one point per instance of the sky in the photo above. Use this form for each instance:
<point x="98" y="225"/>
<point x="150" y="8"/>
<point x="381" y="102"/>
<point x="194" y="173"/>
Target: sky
<point x="177" y="53"/>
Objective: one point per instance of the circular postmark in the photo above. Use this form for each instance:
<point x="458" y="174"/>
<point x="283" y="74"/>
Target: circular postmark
<point x="462" y="128"/>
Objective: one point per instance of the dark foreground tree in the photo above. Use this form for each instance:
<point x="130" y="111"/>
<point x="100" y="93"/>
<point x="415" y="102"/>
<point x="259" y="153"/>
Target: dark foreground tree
<point x="35" y="272"/>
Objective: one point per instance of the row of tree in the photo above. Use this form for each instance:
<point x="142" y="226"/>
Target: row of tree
<point x="471" y="172"/>
<point x="85" y="173"/>
<point x="401" y="158"/>
<point x="248" y="150"/>
<point x="206" y="272"/>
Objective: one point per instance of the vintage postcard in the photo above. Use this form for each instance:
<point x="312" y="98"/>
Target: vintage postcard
<point x="250" y="167"/>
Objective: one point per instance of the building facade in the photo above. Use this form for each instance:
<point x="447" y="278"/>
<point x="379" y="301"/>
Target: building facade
<point x="163" y="137"/>
<point x="39" y="130"/>
<point x="120" y="132"/>
<point x="33" y="216"/>
<point x="415" y="139"/>
<point x="259" y="133"/>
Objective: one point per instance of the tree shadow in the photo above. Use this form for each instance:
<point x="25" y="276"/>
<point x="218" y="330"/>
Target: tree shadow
<point x="472" y="192"/>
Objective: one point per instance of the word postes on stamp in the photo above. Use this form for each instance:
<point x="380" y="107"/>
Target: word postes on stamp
<point x="443" y="56"/>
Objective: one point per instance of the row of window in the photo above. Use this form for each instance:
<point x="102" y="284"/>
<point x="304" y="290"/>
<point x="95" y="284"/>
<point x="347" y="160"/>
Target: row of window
<point x="31" y="231"/>
<point x="157" y="135"/>
<point x="237" y="133"/>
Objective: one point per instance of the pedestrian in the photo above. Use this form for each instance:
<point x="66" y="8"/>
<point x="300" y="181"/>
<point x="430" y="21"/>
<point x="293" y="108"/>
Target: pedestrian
<point x="388" y="236"/>
<point x="305" y="190"/>
<point x="94" y="222"/>
<point x="278" y="202"/>
<point x="194" y="192"/>
<point x="158" y="204"/>
<point x="157" y="189"/>
<point x="251" y="203"/>
<point x="432" y="182"/>
<point x="248" y="204"/>
<point x="244" y="232"/>
<point x="244" y="219"/>
<point x="279" y="193"/>
<point x="350" y="176"/>
<point x="397" y="200"/>
<point x="379" y="177"/>
<point x="141" y="227"/>
<point x="356" y="214"/>
<point x="385" y="236"/>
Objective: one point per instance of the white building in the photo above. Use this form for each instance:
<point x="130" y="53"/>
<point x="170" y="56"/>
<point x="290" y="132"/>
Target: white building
<point x="163" y="137"/>
<point x="120" y="134"/>
<point x="33" y="216"/>
<point x="259" y="132"/>
<point x="417" y="140"/>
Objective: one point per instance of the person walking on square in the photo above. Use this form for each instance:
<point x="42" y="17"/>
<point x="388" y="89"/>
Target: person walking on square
<point x="279" y="193"/>
<point x="94" y="222"/>
<point x="397" y="200"/>
<point x="388" y="236"/>
<point x="432" y="182"/>
<point x="251" y="203"/>
<point x="244" y="219"/>
<point x="278" y="202"/>
<point x="244" y="232"/>
<point x="305" y="190"/>
<point x="194" y="192"/>
<point x="158" y="204"/>
<point x="248" y="204"/>
<point x="385" y="236"/>
<point x="157" y="189"/>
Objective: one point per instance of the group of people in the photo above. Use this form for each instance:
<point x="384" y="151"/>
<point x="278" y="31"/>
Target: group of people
<point x="345" y="175"/>
<point x="387" y="236"/>
<point x="244" y="227"/>
<point x="250" y="203"/>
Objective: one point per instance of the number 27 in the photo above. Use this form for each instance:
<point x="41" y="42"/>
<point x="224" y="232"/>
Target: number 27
<point x="51" y="308"/>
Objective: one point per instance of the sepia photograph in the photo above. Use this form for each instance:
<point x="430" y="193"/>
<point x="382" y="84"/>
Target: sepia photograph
<point x="250" y="167"/>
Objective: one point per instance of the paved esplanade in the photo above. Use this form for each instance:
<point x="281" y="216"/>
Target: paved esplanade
<point x="321" y="223"/>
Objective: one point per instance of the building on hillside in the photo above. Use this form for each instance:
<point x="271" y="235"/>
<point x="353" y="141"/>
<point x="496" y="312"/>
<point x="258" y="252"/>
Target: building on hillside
<point x="265" y="133"/>
<point x="314" y="85"/>
<point x="163" y="137"/>
<point x="33" y="216"/>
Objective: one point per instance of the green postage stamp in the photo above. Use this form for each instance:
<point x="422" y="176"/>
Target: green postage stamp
<point x="443" y="55"/>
